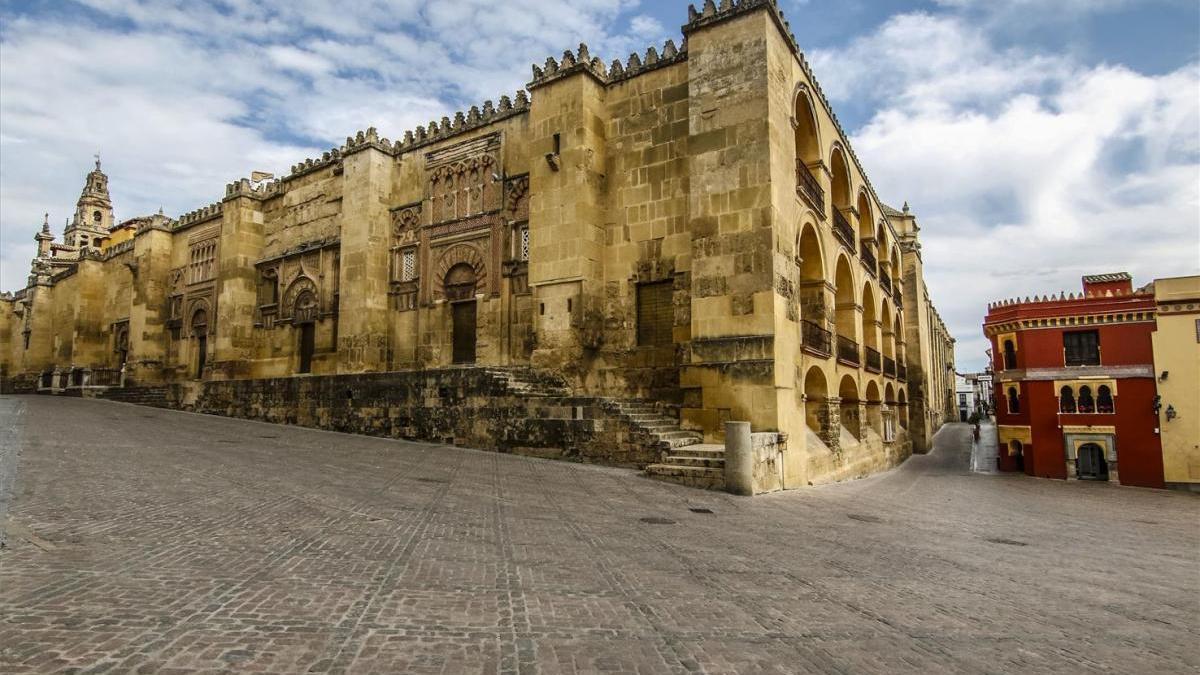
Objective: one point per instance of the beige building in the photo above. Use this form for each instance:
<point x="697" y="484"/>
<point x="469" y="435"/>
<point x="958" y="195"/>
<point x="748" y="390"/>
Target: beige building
<point x="689" y="227"/>
<point x="1176" y="340"/>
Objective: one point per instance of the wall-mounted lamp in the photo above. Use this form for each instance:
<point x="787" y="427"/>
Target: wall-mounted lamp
<point x="1171" y="413"/>
<point x="1164" y="375"/>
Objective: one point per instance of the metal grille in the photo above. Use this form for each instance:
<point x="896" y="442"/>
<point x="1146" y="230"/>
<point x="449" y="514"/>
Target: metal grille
<point x="408" y="265"/>
<point x="524" y="235"/>
<point x="1082" y="348"/>
<point x="655" y="313"/>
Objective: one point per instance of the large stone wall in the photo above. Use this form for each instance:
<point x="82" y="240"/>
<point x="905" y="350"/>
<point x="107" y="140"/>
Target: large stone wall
<point x="674" y="167"/>
<point x="458" y="406"/>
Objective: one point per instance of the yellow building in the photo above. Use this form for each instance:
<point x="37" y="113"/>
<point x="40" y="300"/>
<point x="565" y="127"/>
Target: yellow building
<point x="688" y="228"/>
<point x="1176" y="341"/>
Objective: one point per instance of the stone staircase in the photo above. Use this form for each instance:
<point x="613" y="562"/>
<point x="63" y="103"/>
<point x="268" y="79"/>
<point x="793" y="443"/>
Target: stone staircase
<point x="683" y="457"/>
<point x="154" y="396"/>
<point x="528" y="382"/>
<point x="698" y="465"/>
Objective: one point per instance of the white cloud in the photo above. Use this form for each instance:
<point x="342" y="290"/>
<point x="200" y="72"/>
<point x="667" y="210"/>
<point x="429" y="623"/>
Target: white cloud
<point x="1026" y="171"/>
<point x="181" y="97"/>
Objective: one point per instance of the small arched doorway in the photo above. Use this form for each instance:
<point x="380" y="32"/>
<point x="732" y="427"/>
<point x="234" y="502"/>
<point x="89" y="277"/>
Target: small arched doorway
<point x="1090" y="463"/>
<point x="460" y="283"/>
<point x="200" y="332"/>
<point x="304" y="314"/>
<point x="1017" y="451"/>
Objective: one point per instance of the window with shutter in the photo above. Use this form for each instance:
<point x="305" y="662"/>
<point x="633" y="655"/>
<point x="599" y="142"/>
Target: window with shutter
<point x="1081" y="348"/>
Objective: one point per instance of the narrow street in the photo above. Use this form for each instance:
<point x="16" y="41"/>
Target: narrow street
<point x="145" y="540"/>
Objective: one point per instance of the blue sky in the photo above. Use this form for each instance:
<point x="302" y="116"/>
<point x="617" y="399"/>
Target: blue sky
<point x="1037" y="140"/>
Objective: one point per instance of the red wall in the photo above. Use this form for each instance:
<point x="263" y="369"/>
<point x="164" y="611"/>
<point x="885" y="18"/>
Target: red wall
<point x="1122" y="344"/>
<point x="1139" y="450"/>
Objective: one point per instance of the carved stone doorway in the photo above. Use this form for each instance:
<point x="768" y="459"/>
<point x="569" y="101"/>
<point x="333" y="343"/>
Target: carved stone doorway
<point x="460" y="284"/>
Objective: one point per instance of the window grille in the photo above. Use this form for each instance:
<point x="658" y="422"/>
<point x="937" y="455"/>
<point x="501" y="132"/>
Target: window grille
<point x="408" y="265"/>
<point x="1081" y="348"/>
<point x="523" y="243"/>
<point x="1104" y="400"/>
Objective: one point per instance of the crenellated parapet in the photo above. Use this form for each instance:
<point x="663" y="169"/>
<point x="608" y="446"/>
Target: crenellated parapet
<point x="474" y="118"/>
<point x="1067" y="297"/>
<point x="636" y="65"/>
<point x="199" y="215"/>
<point x="579" y="62"/>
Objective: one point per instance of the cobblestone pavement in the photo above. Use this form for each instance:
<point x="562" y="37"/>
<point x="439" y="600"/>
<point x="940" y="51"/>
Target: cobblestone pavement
<point x="143" y="540"/>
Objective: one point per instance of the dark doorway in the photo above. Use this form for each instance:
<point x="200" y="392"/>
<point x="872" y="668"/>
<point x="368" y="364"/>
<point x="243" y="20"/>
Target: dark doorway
<point x="201" y="355"/>
<point x="308" y="340"/>
<point x="1091" y="464"/>
<point x="464" y="331"/>
<point x="200" y="332"/>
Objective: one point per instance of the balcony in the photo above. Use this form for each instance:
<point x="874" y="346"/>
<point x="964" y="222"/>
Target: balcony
<point x="885" y="282"/>
<point x="847" y="351"/>
<point x="815" y="339"/>
<point x="902" y="372"/>
<point x="868" y="257"/>
<point x="874" y="360"/>
<point x="889" y="367"/>
<point x="808" y="188"/>
<point x="842" y="229"/>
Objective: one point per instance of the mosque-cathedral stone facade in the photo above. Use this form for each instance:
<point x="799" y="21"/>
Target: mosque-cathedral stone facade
<point x="609" y="267"/>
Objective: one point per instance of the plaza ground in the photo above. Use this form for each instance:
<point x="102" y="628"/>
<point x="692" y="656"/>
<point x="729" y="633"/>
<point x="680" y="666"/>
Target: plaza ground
<point x="145" y="540"/>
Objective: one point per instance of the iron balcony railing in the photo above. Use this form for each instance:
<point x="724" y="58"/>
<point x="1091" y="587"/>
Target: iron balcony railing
<point x="868" y="257"/>
<point x="815" y="338"/>
<point x="104" y="377"/>
<point x="885" y="282"/>
<point x="902" y="372"/>
<point x="847" y="351"/>
<point x="873" y="359"/>
<point x="889" y="367"/>
<point x="808" y="187"/>
<point x="842" y="229"/>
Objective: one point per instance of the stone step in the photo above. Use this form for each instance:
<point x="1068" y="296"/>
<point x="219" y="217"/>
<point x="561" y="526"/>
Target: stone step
<point x="691" y="476"/>
<point x="676" y="443"/>
<point x="678" y="433"/>
<point x="702" y="450"/>
<point x="706" y="462"/>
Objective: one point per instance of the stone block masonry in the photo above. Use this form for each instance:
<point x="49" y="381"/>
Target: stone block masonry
<point x="502" y="410"/>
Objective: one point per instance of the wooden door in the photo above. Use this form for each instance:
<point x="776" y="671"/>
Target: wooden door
<point x="1090" y="463"/>
<point x="202" y="356"/>
<point x="464" y="331"/>
<point x="307" y="346"/>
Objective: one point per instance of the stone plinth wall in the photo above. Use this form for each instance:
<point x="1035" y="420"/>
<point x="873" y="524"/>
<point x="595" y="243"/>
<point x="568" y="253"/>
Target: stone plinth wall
<point x="768" y="448"/>
<point x="460" y="406"/>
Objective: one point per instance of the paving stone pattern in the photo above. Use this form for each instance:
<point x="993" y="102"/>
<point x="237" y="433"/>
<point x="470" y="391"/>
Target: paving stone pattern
<point x="147" y="540"/>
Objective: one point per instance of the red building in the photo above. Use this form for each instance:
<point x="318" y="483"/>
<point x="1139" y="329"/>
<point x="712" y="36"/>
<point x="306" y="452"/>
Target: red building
<point x="1075" y="390"/>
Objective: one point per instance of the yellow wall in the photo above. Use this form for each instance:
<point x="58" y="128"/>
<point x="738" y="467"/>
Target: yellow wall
<point x="1177" y="352"/>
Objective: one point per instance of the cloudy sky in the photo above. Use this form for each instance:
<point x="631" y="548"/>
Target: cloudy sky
<point x="1037" y="140"/>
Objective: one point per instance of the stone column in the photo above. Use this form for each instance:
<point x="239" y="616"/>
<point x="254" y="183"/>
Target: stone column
<point x="739" y="459"/>
<point x="831" y="424"/>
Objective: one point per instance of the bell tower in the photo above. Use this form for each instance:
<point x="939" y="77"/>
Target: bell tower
<point x="93" y="212"/>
